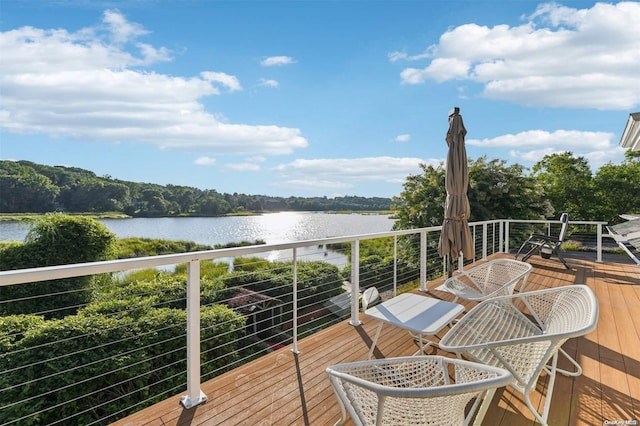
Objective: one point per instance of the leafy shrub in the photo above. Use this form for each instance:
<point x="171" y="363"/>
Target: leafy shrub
<point x="88" y="366"/>
<point x="142" y="247"/>
<point x="207" y="269"/>
<point x="54" y="239"/>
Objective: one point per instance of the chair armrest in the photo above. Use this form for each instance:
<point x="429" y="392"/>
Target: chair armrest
<point x="546" y="238"/>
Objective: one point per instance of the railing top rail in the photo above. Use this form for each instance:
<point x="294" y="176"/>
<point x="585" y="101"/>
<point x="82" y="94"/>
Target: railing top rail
<point x="571" y="221"/>
<point x="81" y="269"/>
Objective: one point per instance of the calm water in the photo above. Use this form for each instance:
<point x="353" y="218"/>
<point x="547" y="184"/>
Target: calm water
<point x="272" y="228"/>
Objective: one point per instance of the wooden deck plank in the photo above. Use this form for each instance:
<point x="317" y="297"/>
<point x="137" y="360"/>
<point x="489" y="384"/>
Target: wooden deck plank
<point x="267" y="390"/>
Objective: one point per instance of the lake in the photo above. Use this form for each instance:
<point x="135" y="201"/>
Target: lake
<point x="272" y="228"/>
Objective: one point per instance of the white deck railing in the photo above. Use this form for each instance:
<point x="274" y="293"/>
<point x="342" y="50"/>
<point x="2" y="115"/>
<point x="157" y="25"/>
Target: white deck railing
<point x="489" y="237"/>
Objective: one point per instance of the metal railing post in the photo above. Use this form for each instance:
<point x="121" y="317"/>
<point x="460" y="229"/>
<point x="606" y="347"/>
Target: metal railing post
<point x="506" y="236"/>
<point x="423" y="261"/>
<point x="294" y="349"/>
<point x="194" y="395"/>
<point x="355" y="283"/>
<point x="599" y="244"/>
<point x="484" y="241"/>
<point x="395" y="265"/>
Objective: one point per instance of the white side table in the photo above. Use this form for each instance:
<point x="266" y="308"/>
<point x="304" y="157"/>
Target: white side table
<point x="420" y="315"/>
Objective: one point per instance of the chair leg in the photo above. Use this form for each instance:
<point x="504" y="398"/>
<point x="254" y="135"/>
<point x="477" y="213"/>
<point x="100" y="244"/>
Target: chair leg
<point x="578" y="370"/>
<point x="520" y="249"/>
<point x="530" y="253"/>
<point x="542" y="418"/>
<point x="564" y="262"/>
<point x="486" y="401"/>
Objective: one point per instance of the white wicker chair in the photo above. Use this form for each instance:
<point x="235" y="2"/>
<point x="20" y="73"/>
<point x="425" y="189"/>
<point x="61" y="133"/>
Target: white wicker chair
<point x="523" y="332"/>
<point x="418" y="390"/>
<point x="497" y="277"/>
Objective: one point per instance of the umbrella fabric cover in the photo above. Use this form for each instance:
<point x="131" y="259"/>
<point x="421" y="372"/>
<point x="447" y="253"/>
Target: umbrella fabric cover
<point x="455" y="236"/>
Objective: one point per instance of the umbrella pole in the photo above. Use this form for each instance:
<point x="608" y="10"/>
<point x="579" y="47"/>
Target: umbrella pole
<point x="449" y="266"/>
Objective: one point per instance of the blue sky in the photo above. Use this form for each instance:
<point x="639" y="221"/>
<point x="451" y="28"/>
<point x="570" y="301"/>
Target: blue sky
<point x="310" y="98"/>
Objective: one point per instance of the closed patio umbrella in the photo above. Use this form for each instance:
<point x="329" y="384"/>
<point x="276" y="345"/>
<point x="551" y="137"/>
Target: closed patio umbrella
<point x="456" y="237"/>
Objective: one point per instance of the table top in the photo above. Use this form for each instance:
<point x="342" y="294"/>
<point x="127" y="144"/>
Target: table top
<point x="419" y="314"/>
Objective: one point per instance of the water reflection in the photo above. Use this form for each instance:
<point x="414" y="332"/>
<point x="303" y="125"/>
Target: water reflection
<point x="272" y="228"/>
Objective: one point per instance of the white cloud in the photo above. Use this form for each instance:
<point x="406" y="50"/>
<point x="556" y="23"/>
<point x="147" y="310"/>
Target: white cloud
<point x="403" y="138"/>
<point x="313" y="184"/>
<point x="87" y="86"/>
<point x="531" y="146"/>
<point x="397" y="56"/>
<point x="243" y="167"/>
<point x="561" y="57"/>
<point x="269" y="83"/>
<point x="277" y="60"/>
<point x="534" y="138"/>
<point x="205" y="161"/>
<point x="227" y="80"/>
<point x="342" y="171"/>
<point x="121" y="30"/>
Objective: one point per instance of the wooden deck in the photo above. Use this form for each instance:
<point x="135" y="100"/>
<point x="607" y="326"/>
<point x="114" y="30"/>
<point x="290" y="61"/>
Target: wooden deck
<point x="287" y="389"/>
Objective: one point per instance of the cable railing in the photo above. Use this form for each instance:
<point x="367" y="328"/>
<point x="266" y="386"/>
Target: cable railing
<point x="155" y="326"/>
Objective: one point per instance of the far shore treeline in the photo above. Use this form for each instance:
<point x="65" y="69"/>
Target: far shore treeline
<point x="556" y="184"/>
<point x="28" y="187"/>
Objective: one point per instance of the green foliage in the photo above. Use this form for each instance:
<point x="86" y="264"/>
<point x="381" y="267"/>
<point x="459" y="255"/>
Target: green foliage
<point x="317" y="281"/>
<point x="567" y="183"/>
<point x="87" y="367"/>
<point x="54" y="239"/>
<point x="30" y="187"/>
<point x="498" y="191"/>
<point x="65" y="239"/>
<point x="208" y="269"/>
<point x="142" y="247"/>
<point x="250" y="264"/>
<point x="12" y="329"/>
<point x="617" y="188"/>
<point x="421" y="202"/>
<point x="25" y="190"/>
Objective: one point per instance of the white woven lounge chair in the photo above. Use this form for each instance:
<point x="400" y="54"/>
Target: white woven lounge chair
<point x="497" y="277"/>
<point x="418" y="390"/>
<point x="523" y="332"/>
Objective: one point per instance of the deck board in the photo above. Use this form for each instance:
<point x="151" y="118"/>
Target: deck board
<point x="267" y="391"/>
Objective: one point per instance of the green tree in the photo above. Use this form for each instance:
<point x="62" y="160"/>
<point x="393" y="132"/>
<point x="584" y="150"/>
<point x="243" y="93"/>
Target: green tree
<point x="154" y="202"/>
<point x="616" y="189"/>
<point x="567" y="182"/>
<point x="25" y="190"/>
<point x="505" y="192"/>
<point x="421" y="202"/>
<point x="495" y="191"/>
<point x="212" y="205"/>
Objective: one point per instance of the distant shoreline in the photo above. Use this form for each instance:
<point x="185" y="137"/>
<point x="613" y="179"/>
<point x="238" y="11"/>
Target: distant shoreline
<point x="30" y="217"/>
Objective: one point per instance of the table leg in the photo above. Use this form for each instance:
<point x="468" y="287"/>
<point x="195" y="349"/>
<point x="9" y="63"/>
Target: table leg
<point x="422" y="343"/>
<point x="375" y="339"/>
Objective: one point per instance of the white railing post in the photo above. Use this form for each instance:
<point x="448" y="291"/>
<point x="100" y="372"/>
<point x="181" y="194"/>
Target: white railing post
<point x="355" y="283"/>
<point x="294" y="349"/>
<point x="423" y="261"/>
<point x="484" y="241"/>
<point x="599" y="244"/>
<point x="194" y="395"/>
<point x="395" y="265"/>
<point x="506" y="236"/>
<point x="475" y="236"/>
